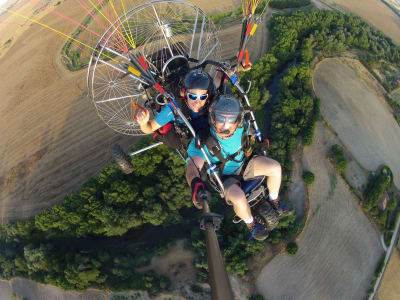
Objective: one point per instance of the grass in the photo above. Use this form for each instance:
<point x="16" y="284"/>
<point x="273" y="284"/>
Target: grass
<point x="333" y="182"/>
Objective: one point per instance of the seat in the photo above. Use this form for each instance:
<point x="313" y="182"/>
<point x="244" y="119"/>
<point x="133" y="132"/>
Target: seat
<point x="248" y="185"/>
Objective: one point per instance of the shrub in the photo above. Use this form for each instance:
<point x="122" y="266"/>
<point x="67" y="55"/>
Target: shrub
<point x="308" y="177"/>
<point x="292" y="248"/>
<point x="338" y="158"/>
<point x="374" y="191"/>
<point x="257" y="297"/>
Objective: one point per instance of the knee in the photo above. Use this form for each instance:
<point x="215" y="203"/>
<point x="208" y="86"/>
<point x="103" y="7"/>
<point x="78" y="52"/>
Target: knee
<point x="235" y="194"/>
<point x="276" y="168"/>
<point x="269" y="166"/>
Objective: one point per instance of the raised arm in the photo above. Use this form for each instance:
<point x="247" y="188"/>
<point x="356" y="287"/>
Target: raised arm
<point x="146" y="125"/>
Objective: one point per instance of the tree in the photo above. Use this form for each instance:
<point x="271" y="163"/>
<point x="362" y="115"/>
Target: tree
<point x="338" y="158"/>
<point x="292" y="248"/>
<point x="308" y="177"/>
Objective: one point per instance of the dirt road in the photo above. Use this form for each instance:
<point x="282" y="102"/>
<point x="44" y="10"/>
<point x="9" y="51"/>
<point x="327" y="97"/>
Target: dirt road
<point x="339" y="248"/>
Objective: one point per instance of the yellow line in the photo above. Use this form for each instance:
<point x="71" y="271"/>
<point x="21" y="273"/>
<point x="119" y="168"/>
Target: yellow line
<point x="265" y="7"/>
<point x="55" y="30"/>
<point x="116" y="14"/>
<point x="127" y="21"/>
<point x="96" y="8"/>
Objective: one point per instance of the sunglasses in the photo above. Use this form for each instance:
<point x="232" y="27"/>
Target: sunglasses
<point x="195" y="96"/>
<point x="222" y="119"/>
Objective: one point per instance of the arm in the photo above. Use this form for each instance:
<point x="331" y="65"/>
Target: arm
<point x="165" y="116"/>
<point x="196" y="184"/>
<point x="193" y="168"/>
<point x="150" y="126"/>
<point x="145" y="124"/>
<point x="219" y="78"/>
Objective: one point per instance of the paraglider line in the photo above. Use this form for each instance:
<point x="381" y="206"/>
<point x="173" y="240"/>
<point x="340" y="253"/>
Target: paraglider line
<point x="95" y="7"/>
<point x="55" y="30"/>
<point x="132" y="43"/>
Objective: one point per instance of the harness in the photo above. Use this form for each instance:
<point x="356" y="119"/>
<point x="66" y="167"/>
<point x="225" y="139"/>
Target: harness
<point x="215" y="149"/>
<point x="175" y="134"/>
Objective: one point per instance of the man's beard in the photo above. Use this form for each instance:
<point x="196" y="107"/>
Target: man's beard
<point x="225" y="134"/>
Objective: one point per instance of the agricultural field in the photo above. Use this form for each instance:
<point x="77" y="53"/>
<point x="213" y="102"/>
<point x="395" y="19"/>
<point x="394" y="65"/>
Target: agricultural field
<point x="338" y="249"/>
<point x="54" y="139"/>
<point x="358" y="114"/>
<point x="389" y="288"/>
<point x="374" y="12"/>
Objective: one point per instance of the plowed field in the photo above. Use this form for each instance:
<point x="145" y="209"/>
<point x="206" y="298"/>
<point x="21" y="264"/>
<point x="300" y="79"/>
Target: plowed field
<point x="339" y="248"/>
<point x="359" y="116"/>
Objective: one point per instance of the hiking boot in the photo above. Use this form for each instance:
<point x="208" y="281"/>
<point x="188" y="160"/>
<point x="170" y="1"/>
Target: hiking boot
<point x="281" y="208"/>
<point x="257" y="231"/>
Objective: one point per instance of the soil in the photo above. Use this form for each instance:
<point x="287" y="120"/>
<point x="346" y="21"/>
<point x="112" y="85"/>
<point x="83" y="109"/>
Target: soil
<point x="390" y="288"/>
<point x="358" y="114"/>
<point x="177" y="264"/>
<point x="338" y="249"/>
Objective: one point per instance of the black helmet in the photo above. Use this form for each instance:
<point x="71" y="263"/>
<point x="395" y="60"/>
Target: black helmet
<point x="198" y="79"/>
<point x="226" y="105"/>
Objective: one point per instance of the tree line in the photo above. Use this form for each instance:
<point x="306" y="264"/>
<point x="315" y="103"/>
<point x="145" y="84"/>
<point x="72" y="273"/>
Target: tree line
<point x="281" y="4"/>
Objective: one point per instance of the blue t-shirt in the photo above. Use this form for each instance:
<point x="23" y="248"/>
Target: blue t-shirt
<point x="166" y="115"/>
<point x="229" y="147"/>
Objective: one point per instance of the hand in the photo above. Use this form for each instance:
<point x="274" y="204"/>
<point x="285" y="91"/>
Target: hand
<point x="264" y="145"/>
<point x="244" y="68"/>
<point x="143" y="117"/>
<point x="199" y="193"/>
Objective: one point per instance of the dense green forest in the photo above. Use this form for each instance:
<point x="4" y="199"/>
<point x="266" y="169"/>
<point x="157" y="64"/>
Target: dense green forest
<point x="281" y="4"/>
<point x="115" y="223"/>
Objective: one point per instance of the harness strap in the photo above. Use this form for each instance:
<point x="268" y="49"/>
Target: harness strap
<point x="215" y="149"/>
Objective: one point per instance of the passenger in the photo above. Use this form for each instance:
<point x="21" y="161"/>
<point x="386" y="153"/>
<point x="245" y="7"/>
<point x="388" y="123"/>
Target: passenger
<point x="228" y="146"/>
<point x="196" y="95"/>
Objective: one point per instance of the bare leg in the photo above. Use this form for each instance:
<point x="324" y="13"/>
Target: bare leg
<point x="264" y="166"/>
<point x="238" y="199"/>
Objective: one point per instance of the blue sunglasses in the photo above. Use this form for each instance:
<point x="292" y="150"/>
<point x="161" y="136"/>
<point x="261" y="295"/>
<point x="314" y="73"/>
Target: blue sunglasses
<point x="222" y="119"/>
<point x="195" y="96"/>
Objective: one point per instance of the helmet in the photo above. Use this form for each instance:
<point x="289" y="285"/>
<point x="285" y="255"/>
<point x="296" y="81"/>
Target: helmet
<point x="198" y="79"/>
<point x="226" y="105"/>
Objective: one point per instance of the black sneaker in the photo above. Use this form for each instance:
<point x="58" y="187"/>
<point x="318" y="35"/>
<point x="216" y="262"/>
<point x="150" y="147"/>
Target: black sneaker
<point x="257" y="231"/>
<point x="281" y="208"/>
